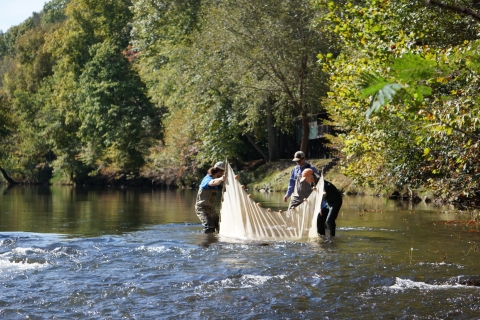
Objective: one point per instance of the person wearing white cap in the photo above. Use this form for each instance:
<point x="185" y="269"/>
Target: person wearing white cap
<point x="297" y="171"/>
<point x="206" y="197"/>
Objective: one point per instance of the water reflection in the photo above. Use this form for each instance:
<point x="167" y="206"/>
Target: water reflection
<point x="95" y="211"/>
<point x="90" y="211"/>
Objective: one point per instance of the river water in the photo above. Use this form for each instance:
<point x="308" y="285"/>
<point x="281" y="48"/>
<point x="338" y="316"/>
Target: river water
<point x="73" y="253"/>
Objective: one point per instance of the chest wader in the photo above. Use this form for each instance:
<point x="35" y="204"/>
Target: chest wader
<point x="302" y="191"/>
<point x="205" y="209"/>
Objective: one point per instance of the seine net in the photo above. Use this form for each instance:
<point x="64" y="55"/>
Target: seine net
<point x="241" y="217"/>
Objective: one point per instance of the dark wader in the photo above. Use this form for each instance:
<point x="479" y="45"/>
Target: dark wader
<point x="205" y="209"/>
<point x="330" y="211"/>
<point x="329" y="215"/>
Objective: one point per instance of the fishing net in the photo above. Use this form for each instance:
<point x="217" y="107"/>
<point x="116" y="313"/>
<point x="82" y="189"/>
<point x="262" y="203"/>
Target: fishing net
<point x="242" y="217"/>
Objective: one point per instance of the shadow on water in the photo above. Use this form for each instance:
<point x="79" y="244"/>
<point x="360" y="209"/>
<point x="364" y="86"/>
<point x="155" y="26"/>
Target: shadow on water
<point x="207" y="239"/>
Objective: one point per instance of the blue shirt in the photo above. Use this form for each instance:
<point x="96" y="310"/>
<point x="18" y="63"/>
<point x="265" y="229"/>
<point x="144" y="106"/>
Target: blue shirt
<point x="297" y="171"/>
<point x="205" y="181"/>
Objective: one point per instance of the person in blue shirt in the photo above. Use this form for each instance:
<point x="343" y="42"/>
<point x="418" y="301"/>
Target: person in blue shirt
<point x="206" y="197"/>
<point x="302" y="164"/>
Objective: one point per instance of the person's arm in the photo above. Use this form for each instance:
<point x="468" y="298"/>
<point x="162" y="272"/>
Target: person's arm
<point x="217" y="181"/>
<point x="291" y="185"/>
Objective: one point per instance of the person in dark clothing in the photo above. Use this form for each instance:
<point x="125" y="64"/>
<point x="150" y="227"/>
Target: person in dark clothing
<point x="331" y="204"/>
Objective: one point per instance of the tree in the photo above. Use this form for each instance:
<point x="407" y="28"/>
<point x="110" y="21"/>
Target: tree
<point x="6" y="128"/>
<point x="416" y="87"/>
<point x="264" y="53"/>
<point x="118" y="122"/>
<point x="161" y="38"/>
<point x="25" y="69"/>
<point x="102" y="121"/>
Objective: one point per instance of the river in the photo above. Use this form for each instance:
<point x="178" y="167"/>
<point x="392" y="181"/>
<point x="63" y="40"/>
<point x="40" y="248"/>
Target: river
<point x="109" y="253"/>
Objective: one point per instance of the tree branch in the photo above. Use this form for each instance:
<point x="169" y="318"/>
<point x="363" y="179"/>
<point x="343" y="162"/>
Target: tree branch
<point x="458" y="9"/>
<point x="251" y="139"/>
<point x="7" y="177"/>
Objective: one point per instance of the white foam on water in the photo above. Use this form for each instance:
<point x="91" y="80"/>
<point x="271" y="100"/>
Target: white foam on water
<point x="441" y="264"/>
<point x="25" y="251"/>
<point x="9" y="266"/>
<point x="247" y="281"/>
<point x="405" y="284"/>
<point x="255" y="280"/>
<point x="160" y="249"/>
<point x="365" y="229"/>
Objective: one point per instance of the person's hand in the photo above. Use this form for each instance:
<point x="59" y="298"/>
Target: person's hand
<point x="221" y="179"/>
<point x="285" y="199"/>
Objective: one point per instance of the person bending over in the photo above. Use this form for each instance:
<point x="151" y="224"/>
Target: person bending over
<point x="331" y="204"/>
<point x="206" y="198"/>
<point x="303" y="187"/>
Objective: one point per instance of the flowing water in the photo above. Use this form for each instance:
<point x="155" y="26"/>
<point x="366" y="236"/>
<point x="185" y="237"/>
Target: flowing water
<point x="73" y="253"/>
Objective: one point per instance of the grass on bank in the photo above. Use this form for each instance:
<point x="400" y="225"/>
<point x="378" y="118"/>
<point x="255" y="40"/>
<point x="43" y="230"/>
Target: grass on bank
<point x="274" y="176"/>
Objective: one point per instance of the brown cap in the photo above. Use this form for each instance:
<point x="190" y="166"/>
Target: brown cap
<point x="298" y="156"/>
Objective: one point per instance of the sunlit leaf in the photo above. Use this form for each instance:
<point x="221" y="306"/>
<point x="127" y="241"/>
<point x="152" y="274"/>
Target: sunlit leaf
<point x="383" y="96"/>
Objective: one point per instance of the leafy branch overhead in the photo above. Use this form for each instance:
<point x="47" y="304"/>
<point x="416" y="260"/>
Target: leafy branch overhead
<point x="381" y="91"/>
<point x="409" y="73"/>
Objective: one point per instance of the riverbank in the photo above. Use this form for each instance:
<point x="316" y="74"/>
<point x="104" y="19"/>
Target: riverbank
<point x="273" y="177"/>
<point x="255" y="175"/>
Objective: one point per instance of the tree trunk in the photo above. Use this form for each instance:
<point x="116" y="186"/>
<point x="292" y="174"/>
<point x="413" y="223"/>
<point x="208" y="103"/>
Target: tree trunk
<point x="305" y="133"/>
<point x="7" y="177"/>
<point x="252" y="141"/>
<point x="272" y="134"/>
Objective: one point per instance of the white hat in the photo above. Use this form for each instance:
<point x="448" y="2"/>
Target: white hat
<point x="220" y="165"/>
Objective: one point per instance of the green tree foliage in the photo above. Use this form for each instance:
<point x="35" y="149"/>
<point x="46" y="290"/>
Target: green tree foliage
<point x="54" y="12"/>
<point x="98" y="103"/>
<point x="75" y="100"/>
<point x="262" y="56"/>
<point x="417" y="86"/>
<point x="24" y="65"/>
<point x="6" y="128"/>
<point x="161" y="40"/>
<point x="23" y="71"/>
<point x="118" y="122"/>
<point x="161" y="37"/>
